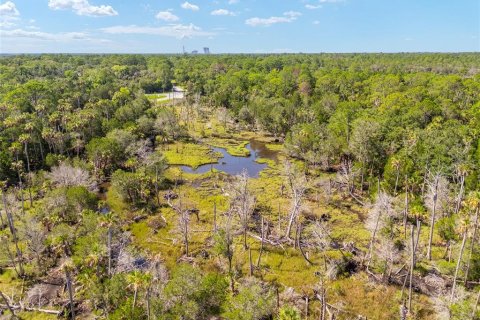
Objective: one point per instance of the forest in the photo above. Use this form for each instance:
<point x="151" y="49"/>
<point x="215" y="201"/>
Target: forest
<point x="286" y="187"/>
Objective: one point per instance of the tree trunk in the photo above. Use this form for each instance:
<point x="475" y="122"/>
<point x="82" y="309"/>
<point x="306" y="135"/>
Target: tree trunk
<point x="109" y="248"/>
<point x="432" y="222"/>
<point x="186" y="238"/>
<point x="472" y="245"/>
<point x="245" y="246"/>
<point x="156" y="186"/>
<point x="460" y="194"/>
<point x="13" y="231"/>
<point x="250" y="261"/>
<point x="135" y="292"/>
<point x="27" y="157"/>
<point x="8" y="304"/>
<point x="148" y="303"/>
<point x="215" y="216"/>
<point x="405" y="212"/>
<point x="412" y="265"/>
<point x="419" y="229"/>
<point x="372" y="241"/>
<point x="293" y="215"/>
<point x="306" y="306"/>
<point x="396" y="181"/>
<point x="459" y="261"/>
<point x="70" y="293"/>
<point x="1" y="220"/>
<point x="279" y="220"/>
<point x="474" y="311"/>
<point x="232" y="282"/>
<point x="362" y="178"/>
<point x="261" y="243"/>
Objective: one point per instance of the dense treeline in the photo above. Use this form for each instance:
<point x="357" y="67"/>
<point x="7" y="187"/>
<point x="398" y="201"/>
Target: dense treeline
<point x="395" y="134"/>
<point x="374" y="109"/>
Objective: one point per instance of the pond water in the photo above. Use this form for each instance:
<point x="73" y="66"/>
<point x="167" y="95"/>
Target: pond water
<point x="234" y="165"/>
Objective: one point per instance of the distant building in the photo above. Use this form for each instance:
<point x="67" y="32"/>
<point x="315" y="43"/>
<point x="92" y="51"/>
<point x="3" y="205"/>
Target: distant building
<point x="195" y="52"/>
<point x="206" y="50"/>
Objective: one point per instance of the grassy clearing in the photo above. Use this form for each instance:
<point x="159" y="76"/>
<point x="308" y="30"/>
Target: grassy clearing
<point x="155" y="96"/>
<point x="190" y="154"/>
<point x="9" y="283"/>
<point x="233" y="147"/>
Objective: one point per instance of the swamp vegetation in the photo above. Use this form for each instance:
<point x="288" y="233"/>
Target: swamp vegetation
<point x="360" y="196"/>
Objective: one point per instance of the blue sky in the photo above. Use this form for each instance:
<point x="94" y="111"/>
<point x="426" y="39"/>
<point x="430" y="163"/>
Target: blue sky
<point x="231" y="26"/>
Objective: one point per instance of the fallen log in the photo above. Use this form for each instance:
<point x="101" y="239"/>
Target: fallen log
<point x="18" y="307"/>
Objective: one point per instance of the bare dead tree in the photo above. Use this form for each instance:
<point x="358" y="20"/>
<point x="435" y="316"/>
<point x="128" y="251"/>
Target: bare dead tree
<point x="474" y="309"/>
<point x="461" y="173"/>
<point x="381" y="209"/>
<point x="242" y="202"/>
<point x="412" y="262"/>
<point x="299" y="241"/>
<point x="224" y="243"/>
<point x="405" y="210"/>
<point x="436" y="198"/>
<point x="389" y="253"/>
<point x="262" y="231"/>
<point x="35" y="237"/>
<point x="214" y="216"/>
<point x="298" y="184"/>
<point x="463" y="228"/>
<point x="474" y="238"/>
<point x="13" y="232"/>
<point x="346" y="175"/>
<point x="183" y="222"/>
<point x="66" y="175"/>
<point x="68" y="268"/>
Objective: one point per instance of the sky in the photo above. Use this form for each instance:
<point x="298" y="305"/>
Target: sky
<point x="239" y="26"/>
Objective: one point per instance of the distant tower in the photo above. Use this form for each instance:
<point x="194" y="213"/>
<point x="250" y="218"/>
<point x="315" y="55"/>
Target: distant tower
<point x="206" y="50"/>
<point x="183" y="49"/>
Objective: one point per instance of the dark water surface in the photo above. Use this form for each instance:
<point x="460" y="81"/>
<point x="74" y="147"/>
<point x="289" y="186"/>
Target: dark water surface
<point x="234" y="165"/>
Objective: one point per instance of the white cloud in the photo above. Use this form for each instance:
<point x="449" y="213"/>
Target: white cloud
<point x="316" y="22"/>
<point x="177" y="31"/>
<point x="189" y="6"/>
<point x="222" y="12"/>
<point x="292" y="14"/>
<point x="313" y="7"/>
<point x="330" y="1"/>
<point x="287" y="17"/>
<point x="233" y="1"/>
<point x="9" y="9"/>
<point x="64" y="36"/>
<point x="82" y="8"/>
<point x="167" y="16"/>
<point x="8" y="15"/>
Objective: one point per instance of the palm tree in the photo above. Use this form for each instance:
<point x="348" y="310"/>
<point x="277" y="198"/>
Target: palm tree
<point x="396" y="164"/>
<point x="137" y="280"/>
<point x="109" y="220"/>
<point x="68" y="267"/>
<point x="462" y="171"/>
<point x="94" y="259"/>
